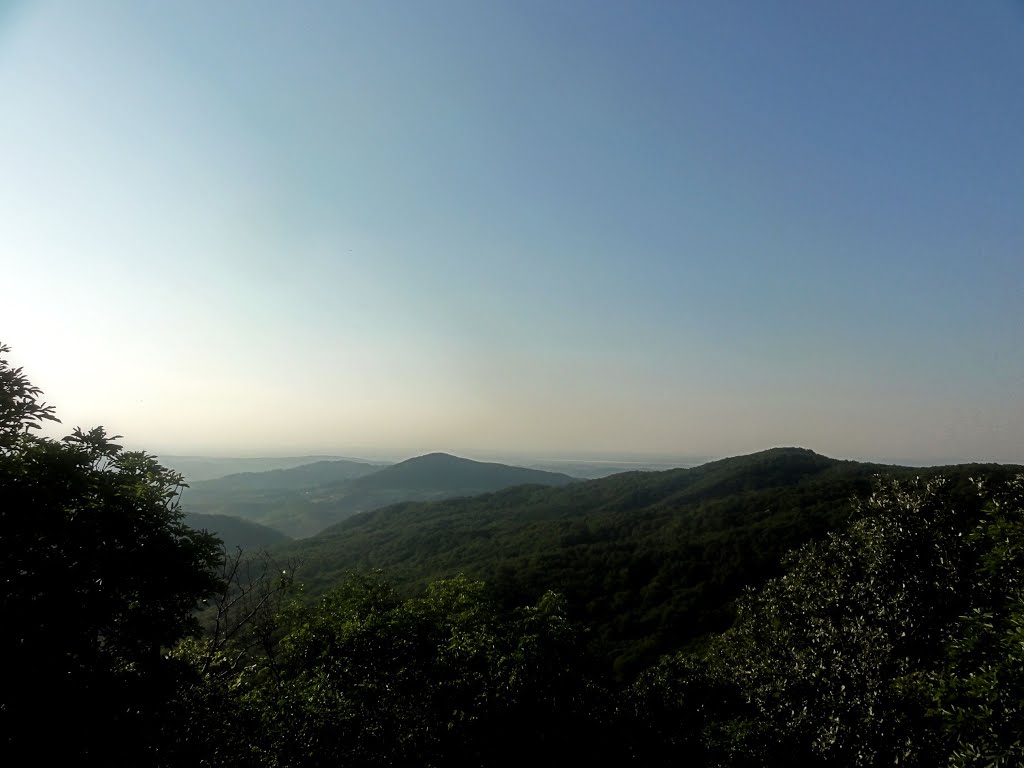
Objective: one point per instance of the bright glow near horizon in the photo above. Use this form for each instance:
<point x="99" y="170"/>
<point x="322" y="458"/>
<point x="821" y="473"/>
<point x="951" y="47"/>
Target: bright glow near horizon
<point x="691" y="229"/>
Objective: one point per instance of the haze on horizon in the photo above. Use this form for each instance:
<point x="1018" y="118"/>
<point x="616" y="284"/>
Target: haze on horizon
<point x="564" y="228"/>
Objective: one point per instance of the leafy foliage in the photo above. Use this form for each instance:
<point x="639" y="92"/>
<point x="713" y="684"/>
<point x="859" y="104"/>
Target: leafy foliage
<point x="99" y="575"/>
<point x="20" y="408"/>
<point x="885" y="644"/>
<point x="977" y="694"/>
<point x="819" y="650"/>
<point x="366" y="678"/>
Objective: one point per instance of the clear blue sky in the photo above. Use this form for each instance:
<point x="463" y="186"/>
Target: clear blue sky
<point x="551" y="227"/>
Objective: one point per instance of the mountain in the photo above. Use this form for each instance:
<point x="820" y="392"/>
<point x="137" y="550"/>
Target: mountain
<point x="302" y="477"/>
<point x="651" y="560"/>
<point x="235" y="532"/>
<point x="199" y="468"/>
<point x="304" y="500"/>
<point x="592" y="470"/>
<point x="442" y="472"/>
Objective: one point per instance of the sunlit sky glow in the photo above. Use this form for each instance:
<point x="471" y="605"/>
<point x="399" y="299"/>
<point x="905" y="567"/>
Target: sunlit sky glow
<point x="695" y="228"/>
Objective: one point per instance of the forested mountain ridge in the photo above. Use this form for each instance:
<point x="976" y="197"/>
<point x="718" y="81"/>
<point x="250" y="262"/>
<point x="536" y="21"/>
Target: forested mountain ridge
<point x="304" y="500"/>
<point x="199" y="468"/>
<point x="440" y="472"/>
<point x="302" y="477"/>
<point x="651" y="561"/>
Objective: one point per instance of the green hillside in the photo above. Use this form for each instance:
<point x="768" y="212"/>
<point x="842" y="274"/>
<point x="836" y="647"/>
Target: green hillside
<point x="652" y="561"/>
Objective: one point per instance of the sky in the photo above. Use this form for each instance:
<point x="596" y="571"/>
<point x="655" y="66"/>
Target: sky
<point x="549" y="228"/>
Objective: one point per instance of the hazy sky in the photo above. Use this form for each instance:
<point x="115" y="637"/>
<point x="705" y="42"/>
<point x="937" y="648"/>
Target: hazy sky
<point x="561" y="227"/>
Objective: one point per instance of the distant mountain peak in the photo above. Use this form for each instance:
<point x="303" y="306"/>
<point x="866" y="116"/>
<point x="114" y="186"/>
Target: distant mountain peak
<point x="436" y="456"/>
<point x="443" y="471"/>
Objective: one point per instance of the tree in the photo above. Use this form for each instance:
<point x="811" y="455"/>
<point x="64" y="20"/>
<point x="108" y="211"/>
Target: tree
<point x="821" y="651"/>
<point x="685" y="711"/>
<point x="366" y="678"/>
<point x="977" y="695"/>
<point x="100" y="576"/>
<point x="897" y="642"/>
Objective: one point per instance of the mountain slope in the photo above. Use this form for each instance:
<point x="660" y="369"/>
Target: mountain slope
<point x="441" y="472"/>
<point x="303" y="501"/>
<point x="303" y="477"/>
<point x="235" y="532"/>
<point x="199" y="468"/>
<point x="651" y="560"/>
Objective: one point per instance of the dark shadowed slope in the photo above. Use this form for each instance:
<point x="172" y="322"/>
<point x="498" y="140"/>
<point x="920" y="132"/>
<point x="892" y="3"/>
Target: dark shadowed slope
<point x="235" y="532"/>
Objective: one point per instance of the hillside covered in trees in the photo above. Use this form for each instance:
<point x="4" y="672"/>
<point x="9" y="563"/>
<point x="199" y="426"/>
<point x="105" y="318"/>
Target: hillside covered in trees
<point x="650" y="561"/>
<point x="881" y="623"/>
<point x="302" y="501"/>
